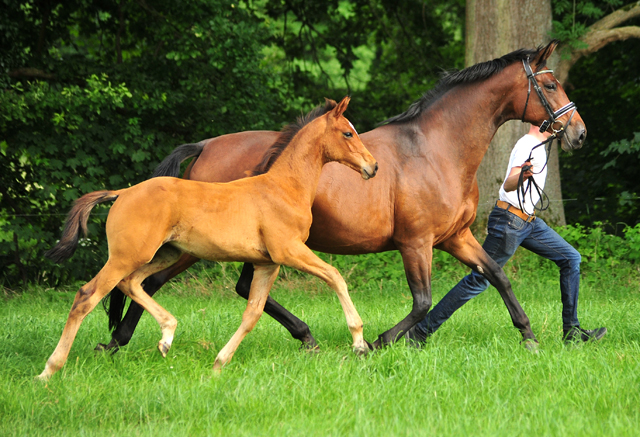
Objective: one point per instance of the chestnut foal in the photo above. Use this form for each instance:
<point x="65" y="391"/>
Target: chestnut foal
<point x="263" y="220"/>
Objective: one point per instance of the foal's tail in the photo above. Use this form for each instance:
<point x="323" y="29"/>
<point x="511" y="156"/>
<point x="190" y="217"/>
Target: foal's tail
<point x="170" y="166"/>
<point x="76" y="221"/>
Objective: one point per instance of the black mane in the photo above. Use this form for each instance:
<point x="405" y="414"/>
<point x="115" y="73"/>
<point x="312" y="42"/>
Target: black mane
<point x="475" y="73"/>
<point x="287" y="134"/>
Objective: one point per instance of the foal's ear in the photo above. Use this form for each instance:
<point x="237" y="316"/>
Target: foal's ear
<point x="545" y="52"/>
<point x="342" y="106"/>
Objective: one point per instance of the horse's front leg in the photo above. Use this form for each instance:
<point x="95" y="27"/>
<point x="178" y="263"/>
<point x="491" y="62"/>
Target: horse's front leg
<point x="417" y="266"/>
<point x="466" y="248"/>
<point x="263" y="278"/>
<point x="300" y="257"/>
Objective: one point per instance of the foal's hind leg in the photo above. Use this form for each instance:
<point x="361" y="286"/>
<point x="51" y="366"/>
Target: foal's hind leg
<point x="263" y="278"/>
<point x="300" y="257"/>
<point x="132" y="287"/>
<point x="85" y="301"/>
<point x="296" y="327"/>
<point x="124" y="328"/>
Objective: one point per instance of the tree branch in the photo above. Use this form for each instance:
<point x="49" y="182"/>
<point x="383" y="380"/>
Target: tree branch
<point x="30" y="73"/>
<point x="598" y="39"/>
<point x="615" y="18"/>
<point x="600" y="34"/>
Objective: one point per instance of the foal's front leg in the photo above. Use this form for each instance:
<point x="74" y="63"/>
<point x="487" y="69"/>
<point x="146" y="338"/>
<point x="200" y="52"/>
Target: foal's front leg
<point x="263" y="278"/>
<point x="300" y="257"/>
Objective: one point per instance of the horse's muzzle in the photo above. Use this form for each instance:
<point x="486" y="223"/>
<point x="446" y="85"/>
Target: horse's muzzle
<point x="369" y="171"/>
<point x="574" y="138"/>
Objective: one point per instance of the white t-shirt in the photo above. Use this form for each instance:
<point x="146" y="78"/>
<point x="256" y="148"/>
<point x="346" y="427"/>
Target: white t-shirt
<point x="519" y="155"/>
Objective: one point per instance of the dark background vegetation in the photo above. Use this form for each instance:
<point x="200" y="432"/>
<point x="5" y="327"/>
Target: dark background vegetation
<point x="95" y="93"/>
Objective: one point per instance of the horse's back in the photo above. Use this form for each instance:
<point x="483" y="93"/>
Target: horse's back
<point x="228" y="157"/>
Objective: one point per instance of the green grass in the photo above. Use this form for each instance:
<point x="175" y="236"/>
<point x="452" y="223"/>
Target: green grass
<point x="471" y="378"/>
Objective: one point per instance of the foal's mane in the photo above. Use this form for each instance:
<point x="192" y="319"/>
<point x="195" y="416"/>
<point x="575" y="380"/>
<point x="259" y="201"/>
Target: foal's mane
<point x="286" y="135"/>
<point x="475" y="73"/>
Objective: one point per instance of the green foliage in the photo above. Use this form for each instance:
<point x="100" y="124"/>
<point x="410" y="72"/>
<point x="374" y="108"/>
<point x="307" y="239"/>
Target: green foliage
<point x="601" y="250"/>
<point x="601" y="183"/>
<point x="385" y="54"/>
<point x="94" y="93"/>
<point x="572" y="19"/>
<point x="622" y="147"/>
<point x="106" y="92"/>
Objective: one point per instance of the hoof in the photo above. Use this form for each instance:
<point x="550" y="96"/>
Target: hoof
<point x="377" y="344"/>
<point x="163" y="348"/>
<point x="112" y="346"/>
<point x="370" y="346"/>
<point x="43" y="377"/>
<point x="361" y="351"/>
<point x="217" y="367"/>
<point x="530" y="344"/>
<point x="310" y="346"/>
<point x="310" y="349"/>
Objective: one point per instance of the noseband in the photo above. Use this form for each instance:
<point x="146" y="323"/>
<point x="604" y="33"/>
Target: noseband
<point x="552" y="121"/>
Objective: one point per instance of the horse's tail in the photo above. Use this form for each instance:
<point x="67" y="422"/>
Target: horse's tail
<point x="170" y="166"/>
<point x="77" y="221"/>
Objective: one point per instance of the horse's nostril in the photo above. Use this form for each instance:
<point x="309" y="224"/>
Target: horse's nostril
<point x="376" y="170"/>
<point x="582" y="136"/>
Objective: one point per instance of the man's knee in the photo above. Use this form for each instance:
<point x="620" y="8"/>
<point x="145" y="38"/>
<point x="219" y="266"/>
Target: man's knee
<point x="476" y="284"/>
<point x="572" y="259"/>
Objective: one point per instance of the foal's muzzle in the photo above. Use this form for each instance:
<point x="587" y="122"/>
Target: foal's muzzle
<point x="369" y="171"/>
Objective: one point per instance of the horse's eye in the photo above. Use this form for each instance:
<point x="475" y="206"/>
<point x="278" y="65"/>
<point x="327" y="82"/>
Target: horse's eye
<point x="550" y="86"/>
<point x="347" y="134"/>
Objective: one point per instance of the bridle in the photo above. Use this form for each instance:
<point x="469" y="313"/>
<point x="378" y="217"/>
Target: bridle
<point x="552" y="122"/>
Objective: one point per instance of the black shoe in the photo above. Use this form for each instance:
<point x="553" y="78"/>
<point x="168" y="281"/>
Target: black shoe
<point x="577" y="334"/>
<point x="414" y="338"/>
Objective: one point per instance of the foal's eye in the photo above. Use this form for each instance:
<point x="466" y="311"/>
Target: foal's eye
<point x="347" y="134"/>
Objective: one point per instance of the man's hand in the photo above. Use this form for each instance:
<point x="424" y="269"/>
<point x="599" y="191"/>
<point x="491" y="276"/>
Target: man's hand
<point x="511" y="183"/>
<point x="527" y="170"/>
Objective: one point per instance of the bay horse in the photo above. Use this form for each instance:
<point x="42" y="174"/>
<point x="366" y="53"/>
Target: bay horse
<point x="263" y="220"/>
<point x="426" y="192"/>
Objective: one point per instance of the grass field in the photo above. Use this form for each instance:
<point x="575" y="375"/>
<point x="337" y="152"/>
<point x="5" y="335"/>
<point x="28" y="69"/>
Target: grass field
<point x="471" y="378"/>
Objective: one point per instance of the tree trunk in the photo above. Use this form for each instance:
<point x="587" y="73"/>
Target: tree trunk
<point x="495" y="28"/>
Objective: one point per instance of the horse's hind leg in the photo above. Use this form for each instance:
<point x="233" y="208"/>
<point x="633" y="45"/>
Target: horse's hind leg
<point x="131" y="286"/>
<point x="296" y="327"/>
<point x="85" y="301"/>
<point x="124" y="328"/>
<point x="466" y="248"/>
<point x="302" y="258"/>
<point x="263" y="278"/>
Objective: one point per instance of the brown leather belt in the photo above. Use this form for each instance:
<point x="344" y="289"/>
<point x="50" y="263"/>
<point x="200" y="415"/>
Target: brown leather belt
<point x="513" y="210"/>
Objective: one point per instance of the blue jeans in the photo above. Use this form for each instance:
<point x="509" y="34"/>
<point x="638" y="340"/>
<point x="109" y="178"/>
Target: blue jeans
<point x="506" y="232"/>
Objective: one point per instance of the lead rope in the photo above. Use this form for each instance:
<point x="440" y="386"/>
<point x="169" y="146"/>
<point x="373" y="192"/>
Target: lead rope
<point x="533" y="185"/>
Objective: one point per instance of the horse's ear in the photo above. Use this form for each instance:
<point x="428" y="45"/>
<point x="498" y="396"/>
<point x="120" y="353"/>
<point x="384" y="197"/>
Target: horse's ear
<point x="342" y="106"/>
<point x="545" y="52"/>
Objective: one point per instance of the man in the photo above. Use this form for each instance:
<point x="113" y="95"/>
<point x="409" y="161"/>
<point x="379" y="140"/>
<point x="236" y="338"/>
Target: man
<point x="510" y="227"/>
